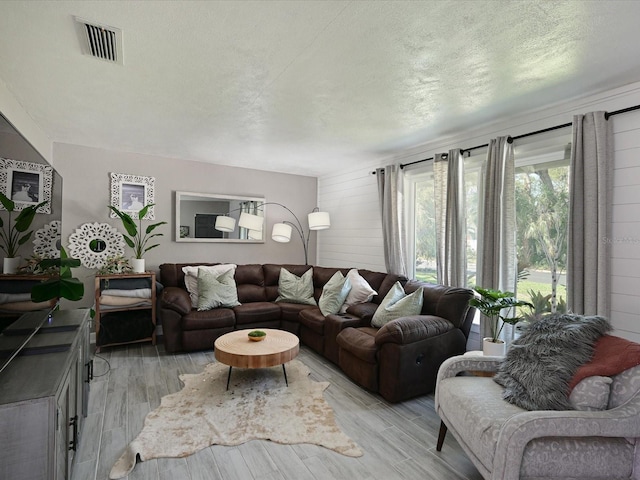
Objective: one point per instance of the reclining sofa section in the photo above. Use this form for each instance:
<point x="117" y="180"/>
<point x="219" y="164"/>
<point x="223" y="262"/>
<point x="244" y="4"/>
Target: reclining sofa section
<point x="399" y="360"/>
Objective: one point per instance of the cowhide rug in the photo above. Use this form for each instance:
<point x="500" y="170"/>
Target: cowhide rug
<point x="258" y="405"/>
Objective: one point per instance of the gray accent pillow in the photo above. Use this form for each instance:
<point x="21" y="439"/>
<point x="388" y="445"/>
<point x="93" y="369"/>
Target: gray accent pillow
<point x="540" y="364"/>
<point x="294" y="289"/>
<point x="191" y="277"/>
<point x="216" y="290"/>
<point x="397" y="304"/>
<point x="591" y="393"/>
<point x="334" y="293"/>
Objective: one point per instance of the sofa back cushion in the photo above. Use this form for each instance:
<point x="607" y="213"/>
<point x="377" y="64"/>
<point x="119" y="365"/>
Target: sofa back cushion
<point x="451" y="303"/>
<point x="381" y="282"/>
<point x="250" y="283"/>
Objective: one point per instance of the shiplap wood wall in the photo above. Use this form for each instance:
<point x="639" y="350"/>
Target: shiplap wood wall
<point x="355" y="236"/>
<point x="350" y="195"/>
<point x="625" y="235"/>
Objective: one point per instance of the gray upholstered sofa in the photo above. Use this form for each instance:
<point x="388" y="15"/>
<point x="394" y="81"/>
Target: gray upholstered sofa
<point x="507" y="442"/>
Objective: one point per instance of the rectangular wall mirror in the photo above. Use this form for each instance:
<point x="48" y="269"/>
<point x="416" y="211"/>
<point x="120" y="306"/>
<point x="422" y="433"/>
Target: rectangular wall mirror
<point x="196" y="215"/>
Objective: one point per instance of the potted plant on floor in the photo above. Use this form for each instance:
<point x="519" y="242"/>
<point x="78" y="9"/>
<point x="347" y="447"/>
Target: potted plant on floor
<point x="14" y="234"/>
<point x="492" y="303"/>
<point x="136" y="238"/>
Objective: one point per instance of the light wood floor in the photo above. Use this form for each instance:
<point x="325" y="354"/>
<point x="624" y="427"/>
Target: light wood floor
<point x="398" y="440"/>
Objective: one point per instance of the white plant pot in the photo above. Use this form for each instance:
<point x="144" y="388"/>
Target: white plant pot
<point x="11" y="264"/>
<point x="138" y="265"/>
<point x="493" y="349"/>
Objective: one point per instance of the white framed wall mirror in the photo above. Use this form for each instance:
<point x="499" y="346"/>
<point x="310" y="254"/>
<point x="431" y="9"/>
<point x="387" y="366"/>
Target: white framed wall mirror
<point x="198" y="215"/>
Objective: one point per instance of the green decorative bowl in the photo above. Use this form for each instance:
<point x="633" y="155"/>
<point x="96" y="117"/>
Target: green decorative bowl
<point x="257" y="335"/>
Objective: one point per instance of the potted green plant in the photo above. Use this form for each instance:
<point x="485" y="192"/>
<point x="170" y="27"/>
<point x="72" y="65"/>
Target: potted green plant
<point x="62" y="285"/>
<point x="136" y="239"/>
<point x="14" y="234"/>
<point x="257" y="335"/>
<point x="492" y="303"/>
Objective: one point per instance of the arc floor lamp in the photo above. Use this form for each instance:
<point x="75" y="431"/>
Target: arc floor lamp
<point x="281" y="231"/>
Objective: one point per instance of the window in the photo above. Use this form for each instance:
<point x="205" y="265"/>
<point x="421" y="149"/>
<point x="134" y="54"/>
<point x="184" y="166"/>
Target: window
<point x="421" y="219"/>
<point x="542" y="208"/>
<point x="542" y="217"/>
<point x="421" y="224"/>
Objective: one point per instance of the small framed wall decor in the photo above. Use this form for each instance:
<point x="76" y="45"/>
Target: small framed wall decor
<point x="26" y="183"/>
<point x="131" y="193"/>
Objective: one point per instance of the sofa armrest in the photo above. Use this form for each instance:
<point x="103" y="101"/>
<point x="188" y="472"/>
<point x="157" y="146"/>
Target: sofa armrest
<point x="519" y="430"/>
<point x="176" y="299"/>
<point x="333" y="325"/>
<point x="412" y="329"/>
<point x="470" y="362"/>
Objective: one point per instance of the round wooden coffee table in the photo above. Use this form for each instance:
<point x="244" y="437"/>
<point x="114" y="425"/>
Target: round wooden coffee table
<point x="236" y="350"/>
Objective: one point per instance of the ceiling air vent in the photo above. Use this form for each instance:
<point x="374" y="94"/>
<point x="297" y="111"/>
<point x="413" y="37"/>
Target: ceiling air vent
<point x="100" y="41"/>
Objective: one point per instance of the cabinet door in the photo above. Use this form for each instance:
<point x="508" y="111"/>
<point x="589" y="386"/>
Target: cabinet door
<point x="67" y="427"/>
<point x="62" y="432"/>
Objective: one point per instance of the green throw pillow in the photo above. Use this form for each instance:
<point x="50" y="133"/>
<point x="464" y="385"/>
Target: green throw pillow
<point x="397" y="304"/>
<point x="334" y="293"/>
<point x="216" y="290"/>
<point x="294" y="289"/>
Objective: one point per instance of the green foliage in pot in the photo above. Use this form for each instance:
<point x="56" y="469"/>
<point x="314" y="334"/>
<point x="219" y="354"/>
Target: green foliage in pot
<point x="12" y="235"/>
<point x="135" y="238"/>
<point x="63" y="285"/>
<point x="492" y="303"/>
<point x="257" y="333"/>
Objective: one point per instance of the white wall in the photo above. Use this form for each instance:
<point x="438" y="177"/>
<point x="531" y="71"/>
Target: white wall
<point x="351" y="196"/>
<point x="14" y="112"/>
<point x="85" y="172"/>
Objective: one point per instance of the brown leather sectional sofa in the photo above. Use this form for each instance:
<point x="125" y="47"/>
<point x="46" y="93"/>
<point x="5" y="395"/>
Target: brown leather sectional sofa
<point x="399" y="360"/>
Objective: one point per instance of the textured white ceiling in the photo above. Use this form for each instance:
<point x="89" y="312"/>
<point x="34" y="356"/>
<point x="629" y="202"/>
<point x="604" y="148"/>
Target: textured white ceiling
<point x="306" y="86"/>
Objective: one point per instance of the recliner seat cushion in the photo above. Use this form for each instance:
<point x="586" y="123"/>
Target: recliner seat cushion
<point x="256" y="312"/>
<point x="290" y="312"/>
<point x="359" y="342"/>
<point x="313" y="319"/>
<point x="209" y="319"/>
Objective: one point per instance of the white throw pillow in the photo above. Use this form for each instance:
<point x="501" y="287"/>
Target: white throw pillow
<point x="334" y="293"/>
<point x="397" y="304"/>
<point x="191" y="277"/>
<point x="361" y="291"/>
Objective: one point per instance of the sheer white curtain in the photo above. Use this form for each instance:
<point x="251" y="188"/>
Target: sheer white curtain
<point x="590" y="201"/>
<point x="497" y="266"/>
<point x="451" y="224"/>
<point x="391" y="193"/>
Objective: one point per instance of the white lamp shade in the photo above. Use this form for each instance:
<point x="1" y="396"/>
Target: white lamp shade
<point x="250" y="221"/>
<point x="255" y="234"/>
<point x="225" y="224"/>
<point x="319" y="221"/>
<point x="281" y="233"/>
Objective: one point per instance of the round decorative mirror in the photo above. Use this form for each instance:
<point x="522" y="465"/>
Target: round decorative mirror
<point x="47" y="241"/>
<point x="97" y="245"/>
<point x="94" y="243"/>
